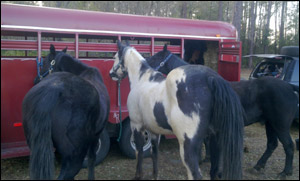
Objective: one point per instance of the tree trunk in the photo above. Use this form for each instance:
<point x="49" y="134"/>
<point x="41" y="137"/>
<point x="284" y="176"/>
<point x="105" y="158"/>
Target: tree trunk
<point x="258" y="37"/>
<point x="183" y="13"/>
<point x="227" y="12"/>
<point x="157" y="10"/>
<point x="238" y="11"/>
<point x="275" y="39"/>
<point x="296" y="41"/>
<point x="267" y="28"/>
<point x="281" y="31"/>
<point x="220" y="14"/>
<point x="151" y="7"/>
<point x="252" y="31"/>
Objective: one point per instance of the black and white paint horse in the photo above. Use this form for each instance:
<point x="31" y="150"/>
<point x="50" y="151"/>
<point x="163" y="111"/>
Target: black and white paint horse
<point x="190" y="102"/>
<point x="68" y="111"/>
<point x="267" y="100"/>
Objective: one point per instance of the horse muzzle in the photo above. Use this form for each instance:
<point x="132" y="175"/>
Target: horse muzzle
<point x="116" y="77"/>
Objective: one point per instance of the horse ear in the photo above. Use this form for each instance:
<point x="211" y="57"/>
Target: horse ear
<point x="52" y="49"/>
<point x="127" y="43"/>
<point x="166" y="47"/>
<point x="65" y="50"/>
<point x="119" y="44"/>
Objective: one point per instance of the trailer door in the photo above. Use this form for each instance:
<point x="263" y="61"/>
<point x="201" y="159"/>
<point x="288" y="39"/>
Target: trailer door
<point x="230" y="57"/>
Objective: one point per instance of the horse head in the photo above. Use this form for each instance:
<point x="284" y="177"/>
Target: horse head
<point x="50" y="64"/>
<point x="159" y="61"/>
<point x="165" y="61"/>
<point x="119" y="71"/>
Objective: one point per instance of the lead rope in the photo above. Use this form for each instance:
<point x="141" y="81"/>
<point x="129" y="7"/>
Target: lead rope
<point x="120" y="110"/>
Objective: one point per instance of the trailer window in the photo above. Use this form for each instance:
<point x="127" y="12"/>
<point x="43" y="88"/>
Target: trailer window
<point x="96" y="46"/>
<point x="60" y="41"/>
<point x="18" y="44"/>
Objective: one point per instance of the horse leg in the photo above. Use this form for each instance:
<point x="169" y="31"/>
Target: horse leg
<point x="189" y="153"/>
<point x="72" y="160"/>
<point x="215" y="158"/>
<point x="91" y="159"/>
<point x="70" y="167"/>
<point x="139" y="143"/>
<point x="154" y="155"/>
<point x="207" y="149"/>
<point x="200" y="155"/>
<point x="288" y="145"/>
<point x="272" y="143"/>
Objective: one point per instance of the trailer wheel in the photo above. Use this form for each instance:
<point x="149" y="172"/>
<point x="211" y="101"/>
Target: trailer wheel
<point x="127" y="144"/>
<point x="102" y="149"/>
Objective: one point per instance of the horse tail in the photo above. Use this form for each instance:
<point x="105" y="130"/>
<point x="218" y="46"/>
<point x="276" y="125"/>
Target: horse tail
<point x="228" y="118"/>
<point x="40" y="138"/>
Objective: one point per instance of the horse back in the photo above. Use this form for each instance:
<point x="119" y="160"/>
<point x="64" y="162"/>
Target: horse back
<point x="266" y="98"/>
<point x="190" y="97"/>
<point x="94" y="77"/>
<point x="277" y="98"/>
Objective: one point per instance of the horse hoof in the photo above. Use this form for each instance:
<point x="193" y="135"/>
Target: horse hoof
<point x="258" y="167"/>
<point x="281" y="176"/>
<point x="246" y="149"/>
<point x="253" y="171"/>
<point x="284" y="174"/>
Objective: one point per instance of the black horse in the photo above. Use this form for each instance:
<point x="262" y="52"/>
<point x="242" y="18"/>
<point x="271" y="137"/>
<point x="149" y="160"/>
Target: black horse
<point x="68" y="111"/>
<point x="267" y="100"/>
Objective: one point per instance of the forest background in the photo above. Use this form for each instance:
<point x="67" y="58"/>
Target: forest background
<point x="263" y="26"/>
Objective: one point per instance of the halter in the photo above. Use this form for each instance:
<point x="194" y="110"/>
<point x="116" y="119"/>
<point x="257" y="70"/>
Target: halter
<point x="49" y="71"/>
<point x="163" y="62"/>
<point x="121" y="65"/>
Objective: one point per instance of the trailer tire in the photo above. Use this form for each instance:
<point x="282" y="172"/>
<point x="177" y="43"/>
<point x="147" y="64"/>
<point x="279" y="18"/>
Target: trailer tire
<point x="127" y="144"/>
<point x="102" y="149"/>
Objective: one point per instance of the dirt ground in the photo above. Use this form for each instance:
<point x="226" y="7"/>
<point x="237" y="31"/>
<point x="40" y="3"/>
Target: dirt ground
<point x="118" y="167"/>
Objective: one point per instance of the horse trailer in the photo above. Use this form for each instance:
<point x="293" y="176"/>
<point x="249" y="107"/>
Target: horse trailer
<point x="28" y="31"/>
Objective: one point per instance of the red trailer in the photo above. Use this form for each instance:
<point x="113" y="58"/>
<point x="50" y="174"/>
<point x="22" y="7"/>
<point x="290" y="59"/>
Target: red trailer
<point x="28" y="31"/>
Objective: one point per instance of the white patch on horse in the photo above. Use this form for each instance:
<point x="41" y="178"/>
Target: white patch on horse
<point x="140" y="96"/>
<point x="179" y="122"/>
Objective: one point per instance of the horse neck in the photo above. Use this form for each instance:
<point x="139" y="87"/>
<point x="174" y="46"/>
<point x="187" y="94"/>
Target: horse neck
<point x="174" y="63"/>
<point x="134" y="62"/>
<point x="92" y="75"/>
<point x="69" y="64"/>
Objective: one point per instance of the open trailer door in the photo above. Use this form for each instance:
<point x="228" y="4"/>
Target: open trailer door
<point x="230" y="58"/>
